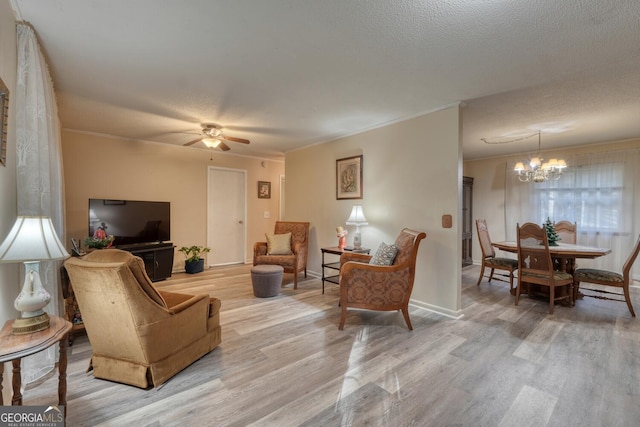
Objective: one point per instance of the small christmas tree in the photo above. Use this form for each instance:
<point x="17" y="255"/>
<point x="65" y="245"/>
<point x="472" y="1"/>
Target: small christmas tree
<point x="552" y="236"/>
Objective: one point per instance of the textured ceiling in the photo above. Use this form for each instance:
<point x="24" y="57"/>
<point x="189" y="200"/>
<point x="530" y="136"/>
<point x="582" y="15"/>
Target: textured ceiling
<point x="288" y="73"/>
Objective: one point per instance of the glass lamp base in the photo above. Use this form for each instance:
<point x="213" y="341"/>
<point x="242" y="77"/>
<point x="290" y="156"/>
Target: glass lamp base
<point x="357" y="240"/>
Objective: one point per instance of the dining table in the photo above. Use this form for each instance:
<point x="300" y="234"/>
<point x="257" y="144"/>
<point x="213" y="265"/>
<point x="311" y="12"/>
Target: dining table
<point x="564" y="254"/>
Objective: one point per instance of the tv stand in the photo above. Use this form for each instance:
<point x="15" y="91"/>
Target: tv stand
<point x="157" y="257"/>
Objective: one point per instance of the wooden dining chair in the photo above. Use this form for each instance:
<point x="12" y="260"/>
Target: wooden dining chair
<point x="609" y="278"/>
<point x="489" y="259"/>
<point x="568" y="231"/>
<point x="536" y="267"/>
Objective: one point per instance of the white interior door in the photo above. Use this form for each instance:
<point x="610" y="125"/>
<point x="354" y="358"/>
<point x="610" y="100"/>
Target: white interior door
<point x="226" y="216"/>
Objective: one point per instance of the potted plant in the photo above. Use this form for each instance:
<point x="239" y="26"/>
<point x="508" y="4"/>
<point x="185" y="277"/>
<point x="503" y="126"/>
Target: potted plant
<point x="552" y="236"/>
<point x="193" y="262"/>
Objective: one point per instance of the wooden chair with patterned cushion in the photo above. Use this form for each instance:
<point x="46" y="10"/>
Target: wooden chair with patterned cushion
<point x="288" y="247"/>
<point x="489" y="259"/>
<point x="385" y="285"/>
<point x="609" y="278"/>
<point x="568" y="233"/>
<point x="536" y="267"/>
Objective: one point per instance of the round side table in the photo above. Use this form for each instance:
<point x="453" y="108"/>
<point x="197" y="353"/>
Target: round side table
<point x="14" y="347"/>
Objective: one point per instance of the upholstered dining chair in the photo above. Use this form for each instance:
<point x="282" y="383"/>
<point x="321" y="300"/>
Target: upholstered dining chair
<point x="609" y="278"/>
<point x="290" y="252"/>
<point x="536" y="267"/>
<point x="380" y="287"/>
<point x="567" y="231"/>
<point x="489" y="259"/>
<point x="139" y="335"/>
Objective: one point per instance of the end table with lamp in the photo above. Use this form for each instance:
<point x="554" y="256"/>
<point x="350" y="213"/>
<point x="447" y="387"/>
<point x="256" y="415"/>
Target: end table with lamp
<point x="32" y="239"/>
<point x="356" y="218"/>
<point x="335" y="250"/>
<point x="14" y="347"/>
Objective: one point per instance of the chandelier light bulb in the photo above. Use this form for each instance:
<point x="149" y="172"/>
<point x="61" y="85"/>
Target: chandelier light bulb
<point x="535" y="162"/>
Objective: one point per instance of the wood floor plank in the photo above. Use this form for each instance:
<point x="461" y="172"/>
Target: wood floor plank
<point x="531" y="408"/>
<point x="283" y="362"/>
<point x="534" y="347"/>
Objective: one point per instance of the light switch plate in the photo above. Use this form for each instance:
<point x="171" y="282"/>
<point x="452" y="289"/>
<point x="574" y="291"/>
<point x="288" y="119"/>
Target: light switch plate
<point x="447" y="221"/>
<point x="267" y="214"/>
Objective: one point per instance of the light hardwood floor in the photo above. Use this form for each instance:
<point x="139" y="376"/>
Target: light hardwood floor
<point x="283" y="362"/>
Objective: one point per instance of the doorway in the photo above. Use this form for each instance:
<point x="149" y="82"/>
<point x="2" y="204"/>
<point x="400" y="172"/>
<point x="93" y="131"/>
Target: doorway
<point x="226" y="216"/>
<point x="467" y="220"/>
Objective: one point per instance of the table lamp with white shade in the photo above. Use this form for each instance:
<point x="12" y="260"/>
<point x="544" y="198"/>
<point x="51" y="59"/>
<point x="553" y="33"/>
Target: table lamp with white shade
<point x="31" y="240"/>
<point x="357" y="218"/>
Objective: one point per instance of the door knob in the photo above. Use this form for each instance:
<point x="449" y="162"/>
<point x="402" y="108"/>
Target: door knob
<point x="240" y="222"/>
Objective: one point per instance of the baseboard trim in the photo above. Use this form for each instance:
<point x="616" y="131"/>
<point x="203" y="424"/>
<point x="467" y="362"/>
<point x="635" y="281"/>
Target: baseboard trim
<point x="456" y="315"/>
<point x="314" y="274"/>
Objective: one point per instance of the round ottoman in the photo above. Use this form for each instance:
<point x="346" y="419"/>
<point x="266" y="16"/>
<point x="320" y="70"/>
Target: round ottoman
<point x="266" y="280"/>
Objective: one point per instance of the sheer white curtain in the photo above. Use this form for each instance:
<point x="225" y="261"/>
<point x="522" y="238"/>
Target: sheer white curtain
<point x="598" y="191"/>
<point x="39" y="168"/>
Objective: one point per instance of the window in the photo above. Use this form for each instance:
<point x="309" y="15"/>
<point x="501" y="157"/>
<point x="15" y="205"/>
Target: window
<point x="598" y="191"/>
<point x="591" y="195"/>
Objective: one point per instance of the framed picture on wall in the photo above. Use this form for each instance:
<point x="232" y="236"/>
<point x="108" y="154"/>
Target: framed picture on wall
<point x="349" y="178"/>
<point x="264" y="189"/>
<point x="4" y="118"/>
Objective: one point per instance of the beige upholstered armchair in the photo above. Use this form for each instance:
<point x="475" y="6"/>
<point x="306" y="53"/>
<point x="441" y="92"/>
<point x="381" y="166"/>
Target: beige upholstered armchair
<point x="292" y="256"/>
<point x="380" y="287"/>
<point x="139" y="335"/>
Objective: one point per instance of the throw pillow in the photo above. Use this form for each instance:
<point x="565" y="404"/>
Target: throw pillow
<point x="385" y="255"/>
<point x="279" y="244"/>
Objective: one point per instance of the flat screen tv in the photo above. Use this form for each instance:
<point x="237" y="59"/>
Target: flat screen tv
<point x="131" y="221"/>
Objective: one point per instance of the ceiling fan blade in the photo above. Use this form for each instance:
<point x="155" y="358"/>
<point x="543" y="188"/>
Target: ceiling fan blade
<point x="223" y="146"/>
<point x="192" y="142"/>
<point x="231" y="138"/>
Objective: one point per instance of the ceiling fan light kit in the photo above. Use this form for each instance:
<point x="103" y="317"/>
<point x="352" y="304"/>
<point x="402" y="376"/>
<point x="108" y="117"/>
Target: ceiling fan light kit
<point x="213" y="137"/>
<point x="210" y="142"/>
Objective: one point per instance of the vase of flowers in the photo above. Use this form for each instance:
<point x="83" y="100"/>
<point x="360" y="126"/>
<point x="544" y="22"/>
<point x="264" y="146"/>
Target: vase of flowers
<point x="341" y="233"/>
<point x="100" y="239"/>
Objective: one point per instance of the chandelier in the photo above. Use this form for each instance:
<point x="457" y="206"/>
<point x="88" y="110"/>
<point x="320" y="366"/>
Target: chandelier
<point x="536" y="169"/>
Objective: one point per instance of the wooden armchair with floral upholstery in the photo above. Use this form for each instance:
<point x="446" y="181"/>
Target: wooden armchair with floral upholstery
<point x="378" y="286"/>
<point x="288" y="247"/>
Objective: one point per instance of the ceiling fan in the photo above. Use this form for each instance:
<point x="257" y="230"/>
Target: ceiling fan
<point x="213" y="137"/>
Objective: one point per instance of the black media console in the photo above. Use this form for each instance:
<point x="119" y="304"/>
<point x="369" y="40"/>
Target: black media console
<point x="157" y="257"/>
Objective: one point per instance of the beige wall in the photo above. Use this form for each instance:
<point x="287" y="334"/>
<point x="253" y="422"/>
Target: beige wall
<point x="489" y="185"/>
<point x="9" y="277"/>
<point x="411" y="178"/>
<point x="110" y="168"/>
